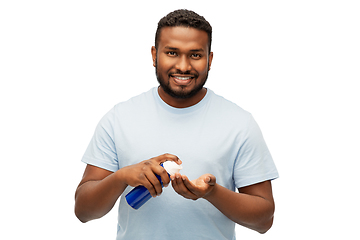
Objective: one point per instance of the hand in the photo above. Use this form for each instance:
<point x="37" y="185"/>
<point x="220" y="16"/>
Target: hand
<point x="194" y="189"/>
<point x="143" y="173"/>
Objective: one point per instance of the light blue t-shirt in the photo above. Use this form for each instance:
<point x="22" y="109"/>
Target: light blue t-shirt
<point x="214" y="136"/>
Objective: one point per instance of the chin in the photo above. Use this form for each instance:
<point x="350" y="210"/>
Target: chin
<point x="182" y="93"/>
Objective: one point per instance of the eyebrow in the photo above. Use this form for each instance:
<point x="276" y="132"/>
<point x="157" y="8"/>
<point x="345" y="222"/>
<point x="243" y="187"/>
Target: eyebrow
<point x="192" y="50"/>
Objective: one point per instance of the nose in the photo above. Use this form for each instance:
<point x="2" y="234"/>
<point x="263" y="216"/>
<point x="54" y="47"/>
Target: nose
<point x="183" y="64"/>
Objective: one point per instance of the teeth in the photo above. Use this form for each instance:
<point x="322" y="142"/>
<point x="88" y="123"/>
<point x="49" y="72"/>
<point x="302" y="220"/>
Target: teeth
<point x="183" y="78"/>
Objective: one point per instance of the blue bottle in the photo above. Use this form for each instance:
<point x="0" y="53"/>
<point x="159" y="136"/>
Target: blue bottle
<point x="140" y="195"/>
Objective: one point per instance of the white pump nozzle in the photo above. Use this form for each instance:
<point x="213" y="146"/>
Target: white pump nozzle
<point x="172" y="167"/>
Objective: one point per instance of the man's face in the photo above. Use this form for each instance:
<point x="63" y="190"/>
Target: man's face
<point x="182" y="61"/>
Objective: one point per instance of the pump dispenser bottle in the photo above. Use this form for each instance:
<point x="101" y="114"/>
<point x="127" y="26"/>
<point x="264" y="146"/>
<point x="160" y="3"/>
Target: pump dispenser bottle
<point x="140" y="195"/>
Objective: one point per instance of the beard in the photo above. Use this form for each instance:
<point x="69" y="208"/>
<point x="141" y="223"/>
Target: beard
<point x="182" y="94"/>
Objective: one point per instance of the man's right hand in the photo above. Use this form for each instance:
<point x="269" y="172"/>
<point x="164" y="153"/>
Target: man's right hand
<point x="143" y="173"/>
<point x="99" y="189"/>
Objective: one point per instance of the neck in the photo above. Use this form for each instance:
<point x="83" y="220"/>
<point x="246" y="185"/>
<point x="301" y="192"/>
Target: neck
<point x="181" y="102"/>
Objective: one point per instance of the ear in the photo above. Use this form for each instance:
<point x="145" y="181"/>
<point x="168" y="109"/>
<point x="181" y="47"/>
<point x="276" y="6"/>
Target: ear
<point x="210" y="59"/>
<point x="153" y="53"/>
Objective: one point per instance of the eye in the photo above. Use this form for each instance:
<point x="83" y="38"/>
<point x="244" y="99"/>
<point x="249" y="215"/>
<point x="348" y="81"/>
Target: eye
<point x="196" y="56"/>
<point x="171" y="53"/>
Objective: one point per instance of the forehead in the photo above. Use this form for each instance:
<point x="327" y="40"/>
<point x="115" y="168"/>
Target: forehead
<point x="184" y="38"/>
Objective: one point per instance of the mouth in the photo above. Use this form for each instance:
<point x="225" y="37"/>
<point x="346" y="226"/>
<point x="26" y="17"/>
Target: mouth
<point x="182" y="79"/>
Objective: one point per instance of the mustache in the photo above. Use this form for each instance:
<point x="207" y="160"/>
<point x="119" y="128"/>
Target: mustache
<point x="193" y="74"/>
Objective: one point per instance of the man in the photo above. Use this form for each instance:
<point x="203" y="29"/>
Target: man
<point x="220" y="146"/>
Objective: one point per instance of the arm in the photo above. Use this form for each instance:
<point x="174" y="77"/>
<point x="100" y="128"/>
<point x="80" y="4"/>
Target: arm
<point x="99" y="189"/>
<point x="97" y="193"/>
<point x="253" y="207"/>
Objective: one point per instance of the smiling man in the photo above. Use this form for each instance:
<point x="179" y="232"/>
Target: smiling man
<point x="220" y="146"/>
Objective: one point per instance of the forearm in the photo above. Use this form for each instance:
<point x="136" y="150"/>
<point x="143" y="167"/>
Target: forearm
<point x="94" y="199"/>
<point x="247" y="210"/>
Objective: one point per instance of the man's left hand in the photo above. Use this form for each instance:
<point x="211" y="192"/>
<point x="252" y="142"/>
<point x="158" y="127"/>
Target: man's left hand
<point x="194" y="189"/>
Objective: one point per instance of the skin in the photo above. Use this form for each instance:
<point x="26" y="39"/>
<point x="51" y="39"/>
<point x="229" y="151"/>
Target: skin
<point x="181" y="52"/>
<point x="99" y="189"/>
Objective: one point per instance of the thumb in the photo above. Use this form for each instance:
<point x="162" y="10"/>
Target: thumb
<point x="210" y="179"/>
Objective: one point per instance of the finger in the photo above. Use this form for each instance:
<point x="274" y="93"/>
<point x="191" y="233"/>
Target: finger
<point x="210" y="179"/>
<point x="188" y="184"/>
<point x="163" y="174"/>
<point x="179" y="186"/>
<point x="153" y="184"/>
<point x="150" y="188"/>
<point x="168" y="157"/>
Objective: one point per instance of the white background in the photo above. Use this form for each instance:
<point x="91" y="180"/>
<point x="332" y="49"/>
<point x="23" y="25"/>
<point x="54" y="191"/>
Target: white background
<point x="295" y="65"/>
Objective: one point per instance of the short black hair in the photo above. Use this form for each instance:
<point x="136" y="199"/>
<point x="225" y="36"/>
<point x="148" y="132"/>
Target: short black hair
<point x="184" y="18"/>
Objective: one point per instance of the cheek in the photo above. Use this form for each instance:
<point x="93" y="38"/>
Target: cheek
<point x="201" y="67"/>
<point x="164" y="66"/>
<point x="165" y="61"/>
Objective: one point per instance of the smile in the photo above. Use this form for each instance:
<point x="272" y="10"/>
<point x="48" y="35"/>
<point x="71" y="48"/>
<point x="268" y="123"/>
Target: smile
<point x="182" y="80"/>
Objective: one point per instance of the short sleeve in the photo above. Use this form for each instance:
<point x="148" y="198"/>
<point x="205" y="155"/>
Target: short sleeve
<point x="254" y="163"/>
<point x="101" y="151"/>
